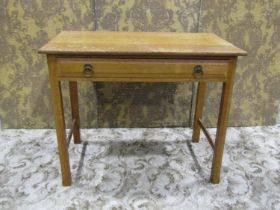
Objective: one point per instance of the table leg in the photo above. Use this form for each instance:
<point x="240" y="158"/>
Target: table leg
<point x="222" y="124"/>
<point x="59" y="122"/>
<point x="198" y="110"/>
<point x="75" y="110"/>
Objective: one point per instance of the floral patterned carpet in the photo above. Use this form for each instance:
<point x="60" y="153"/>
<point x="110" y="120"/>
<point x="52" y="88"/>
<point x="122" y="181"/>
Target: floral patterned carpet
<point x="140" y="169"/>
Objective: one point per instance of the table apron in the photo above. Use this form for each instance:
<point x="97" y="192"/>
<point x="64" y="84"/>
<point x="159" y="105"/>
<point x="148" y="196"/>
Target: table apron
<point x="141" y="70"/>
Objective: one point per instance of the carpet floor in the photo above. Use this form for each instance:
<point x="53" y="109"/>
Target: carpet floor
<point x="140" y="169"/>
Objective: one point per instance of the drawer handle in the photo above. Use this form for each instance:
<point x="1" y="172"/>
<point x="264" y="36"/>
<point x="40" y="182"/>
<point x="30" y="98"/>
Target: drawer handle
<point x="198" y="70"/>
<point x="88" y="70"/>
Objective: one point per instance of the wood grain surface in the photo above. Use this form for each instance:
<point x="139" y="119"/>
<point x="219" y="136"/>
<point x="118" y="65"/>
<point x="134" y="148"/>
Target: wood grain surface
<point x="139" y="43"/>
<point x="164" y="70"/>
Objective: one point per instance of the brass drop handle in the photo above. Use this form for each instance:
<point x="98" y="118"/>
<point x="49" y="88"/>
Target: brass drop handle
<point x="88" y="70"/>
<point x="198" y="70"/>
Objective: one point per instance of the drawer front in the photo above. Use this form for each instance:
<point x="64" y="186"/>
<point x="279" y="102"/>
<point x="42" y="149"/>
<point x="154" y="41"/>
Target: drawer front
<point x="154" y="69"/>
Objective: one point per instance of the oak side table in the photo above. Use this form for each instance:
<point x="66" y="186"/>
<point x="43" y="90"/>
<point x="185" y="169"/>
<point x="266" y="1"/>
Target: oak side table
<point x="140" y="57"/>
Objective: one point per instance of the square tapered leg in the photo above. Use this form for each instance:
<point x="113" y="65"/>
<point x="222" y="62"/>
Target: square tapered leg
<point x="198" y="110"/>
<point x="222" y="124"/>
<point x="59" y="122"/>
<point x="73" y="88"/>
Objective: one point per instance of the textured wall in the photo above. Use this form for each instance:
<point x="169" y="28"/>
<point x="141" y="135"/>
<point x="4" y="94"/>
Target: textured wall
<point x="26" y="25"/>
<point x="255" y="27"/>
<point x="140" y="104"/>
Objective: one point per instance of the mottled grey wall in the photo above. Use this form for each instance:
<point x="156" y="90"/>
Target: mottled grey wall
<point x="255" y="27"/>
<point x="251" y="25"/>
<point x="27" y="25"/>
<point x="145" y="104"/>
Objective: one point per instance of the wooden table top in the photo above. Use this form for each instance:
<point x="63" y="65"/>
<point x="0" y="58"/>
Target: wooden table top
<point x="140" y="43"/>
